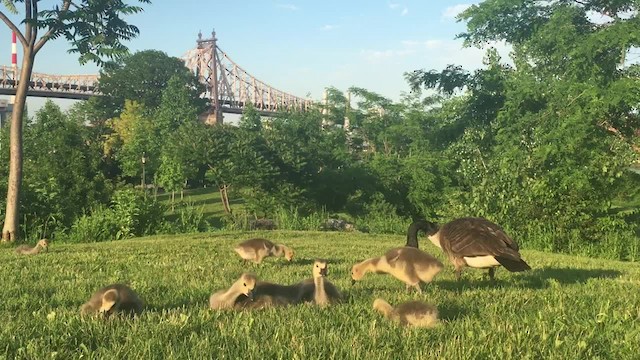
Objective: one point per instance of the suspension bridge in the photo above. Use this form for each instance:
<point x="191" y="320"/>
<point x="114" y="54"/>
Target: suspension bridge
<point x="229" y="87"/>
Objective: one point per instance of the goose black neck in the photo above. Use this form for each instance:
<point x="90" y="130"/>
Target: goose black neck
<point x="412" y="234"/>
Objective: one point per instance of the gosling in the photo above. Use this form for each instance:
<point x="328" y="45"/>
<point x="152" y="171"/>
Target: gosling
<point x="257" y="249"/>
<point x="28" y="250"/>
<point x="409" y="265"/>
<point x="268" y="295"/>
<point x="115" y="298"/>
<point x="474" y="242"/>
<point x="412" y="313"/>
<point x="225" y="299"/>
<point x="325" y="293"/>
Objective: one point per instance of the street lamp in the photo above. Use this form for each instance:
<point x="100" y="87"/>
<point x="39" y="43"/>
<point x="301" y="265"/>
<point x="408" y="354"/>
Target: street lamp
<point x="144" y="161"/>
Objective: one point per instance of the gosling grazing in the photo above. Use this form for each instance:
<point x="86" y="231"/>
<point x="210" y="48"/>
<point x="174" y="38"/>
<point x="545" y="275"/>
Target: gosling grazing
<point x="116" y="298"/>
<point x="473" y="242"/>
<point x="412" y="313"/>
<point x="407" y="264"/>
<point x="225" y="299"/>
<point x="325" y="293"/>
<point x="257" y="249"/>
<point x="28" y="250"/>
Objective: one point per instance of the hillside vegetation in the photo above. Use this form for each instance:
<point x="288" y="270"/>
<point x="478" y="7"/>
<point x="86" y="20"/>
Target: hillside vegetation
<point x="565" y="308"/>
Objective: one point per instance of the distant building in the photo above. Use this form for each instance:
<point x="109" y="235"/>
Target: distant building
<point x="6" y="108"/>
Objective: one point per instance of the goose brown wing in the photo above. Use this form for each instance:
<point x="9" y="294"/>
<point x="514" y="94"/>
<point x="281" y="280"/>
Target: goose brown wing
<point x="478" y="237"/>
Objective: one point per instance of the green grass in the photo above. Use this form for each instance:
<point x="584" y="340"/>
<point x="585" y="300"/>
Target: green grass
<point x="566" y="308"/>
<point x="206" y="199"/>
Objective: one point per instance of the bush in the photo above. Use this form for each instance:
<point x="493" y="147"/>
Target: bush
<point x="101" y="225"/>
<point x="132" y="214"/>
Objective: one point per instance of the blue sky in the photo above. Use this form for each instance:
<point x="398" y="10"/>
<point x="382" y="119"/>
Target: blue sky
<point x="299" y="47"/>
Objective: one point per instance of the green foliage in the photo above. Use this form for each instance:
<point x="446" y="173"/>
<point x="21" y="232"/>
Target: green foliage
<point x="144" y="77"/>
<point x="180" y="104"/>
<point x="131" y="214"/>
<point x="95" y="29"/>
<point x="61" y="174"/>
<point x="101" y="225"/>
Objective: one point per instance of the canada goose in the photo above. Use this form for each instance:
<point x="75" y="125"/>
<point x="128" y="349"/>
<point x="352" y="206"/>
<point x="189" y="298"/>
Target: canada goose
<point x="412" y="313"/>
<point x="325" y="292"/>
<point x="257" y="249"/>
<point x="111" y="299"/>
<point x="28" y="250"/>
<point x="473" y="242"/>
<point x="409" y="265"/>
<point x="225" y="299"/>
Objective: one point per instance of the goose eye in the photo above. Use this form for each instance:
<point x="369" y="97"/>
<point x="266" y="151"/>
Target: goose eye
<point x="245" y="284"/>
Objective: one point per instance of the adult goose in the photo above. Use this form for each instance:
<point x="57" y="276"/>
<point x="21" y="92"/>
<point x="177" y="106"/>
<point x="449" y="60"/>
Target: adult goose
<point x="474" y="242"/>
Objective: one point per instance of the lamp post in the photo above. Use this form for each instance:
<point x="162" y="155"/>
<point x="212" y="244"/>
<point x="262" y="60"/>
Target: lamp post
<point x="144" y="161"/>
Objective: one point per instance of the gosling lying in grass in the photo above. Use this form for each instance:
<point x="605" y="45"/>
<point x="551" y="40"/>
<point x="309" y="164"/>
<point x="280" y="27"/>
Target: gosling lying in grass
<point x="407" y="264"/>
<point x="412" y="313"/>
<point x="225" y="299"/>
<point x="116" y="298"/>
<point x="28" y="250"/>
<point x="325" y="293"/>
<point x="267" y="295"/>
<point x="257" y="249"/>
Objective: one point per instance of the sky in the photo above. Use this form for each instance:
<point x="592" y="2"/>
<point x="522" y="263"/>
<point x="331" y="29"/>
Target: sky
<point x="300" y="47"/>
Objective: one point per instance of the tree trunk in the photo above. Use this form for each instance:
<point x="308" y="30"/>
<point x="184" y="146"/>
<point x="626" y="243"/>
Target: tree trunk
<point x="224" y="198"/>
<point x="10" y="229"/>
<point x="173" y="200"/>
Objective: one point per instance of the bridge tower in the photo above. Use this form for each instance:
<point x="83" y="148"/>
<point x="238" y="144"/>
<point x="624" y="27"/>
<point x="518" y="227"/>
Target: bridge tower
<point x="215" y="114"/>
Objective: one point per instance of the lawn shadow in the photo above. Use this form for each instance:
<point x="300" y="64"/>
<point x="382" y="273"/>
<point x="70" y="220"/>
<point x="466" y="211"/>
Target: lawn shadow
<point x="466" y="284"/>
<point x="534" y="279"/>
<point x="452" y="312"/>
<point x="539" y="278"/>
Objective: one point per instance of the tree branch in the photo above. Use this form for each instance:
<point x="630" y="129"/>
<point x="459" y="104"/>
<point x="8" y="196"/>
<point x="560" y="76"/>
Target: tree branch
<point x="14" y="28"/>
<point x="605" y="124"/>
<point x="28" y="33"/>
<point x="45" y="37"/>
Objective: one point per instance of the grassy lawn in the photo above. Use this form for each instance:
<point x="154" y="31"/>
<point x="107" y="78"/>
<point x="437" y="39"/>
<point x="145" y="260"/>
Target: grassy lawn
<point x="566" y="308"/>
<point x="205" y="199"/>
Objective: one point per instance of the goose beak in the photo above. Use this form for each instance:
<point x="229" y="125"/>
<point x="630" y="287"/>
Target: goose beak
<point x="323" y="272"/>
<point x="353" y="282"/>
<point x="251" y="294"/>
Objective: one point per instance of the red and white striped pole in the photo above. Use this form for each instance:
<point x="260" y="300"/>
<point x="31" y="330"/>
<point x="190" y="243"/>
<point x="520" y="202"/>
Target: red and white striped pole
<point x="14" y="61"/>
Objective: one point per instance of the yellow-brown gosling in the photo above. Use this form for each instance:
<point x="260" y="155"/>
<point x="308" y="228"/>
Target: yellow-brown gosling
<point x="473" y="242"/>
<point x="115" y="298"/>
<point x="325" y="293"/>
<point x="257" y="249"/>
<point x="409" y="265"/>
<point x="412" y="313"/>
<point x="225" y="299"/>
<point x="28" y="250"/>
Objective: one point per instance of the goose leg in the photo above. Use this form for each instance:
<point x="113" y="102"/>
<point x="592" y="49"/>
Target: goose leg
<point x="492" y="272"/>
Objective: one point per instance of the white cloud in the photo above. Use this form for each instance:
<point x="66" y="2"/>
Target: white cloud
<point x="452" y="11"/>
<point x="329" y="27"/>
<point x="435" y="53"/>
<point x="405" y="11"/>
<point x="287" y="7"/>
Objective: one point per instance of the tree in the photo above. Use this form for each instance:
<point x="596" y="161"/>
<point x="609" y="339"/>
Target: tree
<point x="61" y="172"/>
<point x="95" y="29"/>
<point x="134" y="136"/>
<point x="543" y="145"/>
<point x="143" y="77"/>
<point x="180" y="104"/>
